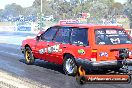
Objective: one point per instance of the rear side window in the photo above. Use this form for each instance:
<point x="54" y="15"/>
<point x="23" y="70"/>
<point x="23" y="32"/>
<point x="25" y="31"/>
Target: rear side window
<point x="79" y="36"/>
<point x="63" y="35"/>
<point x="111" y="36"/>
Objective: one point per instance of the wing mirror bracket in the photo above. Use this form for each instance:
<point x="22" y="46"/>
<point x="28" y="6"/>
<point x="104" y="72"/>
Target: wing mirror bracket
<point x="38" y="37"/>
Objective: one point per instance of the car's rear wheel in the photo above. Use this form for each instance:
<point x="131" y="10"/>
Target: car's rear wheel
<point x="29" y="58"/>
<point x="69" y="65"/>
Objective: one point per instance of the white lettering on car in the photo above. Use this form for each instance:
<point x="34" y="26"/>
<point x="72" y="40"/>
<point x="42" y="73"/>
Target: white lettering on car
<point x="51" y="49"/>
<point x="41" y="51"/>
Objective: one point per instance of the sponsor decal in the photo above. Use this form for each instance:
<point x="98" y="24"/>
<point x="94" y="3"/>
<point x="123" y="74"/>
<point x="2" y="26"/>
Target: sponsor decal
<point x="130" y="53"/>
<point x="121" y="32"/>
<point x="111" y="32"/>
<point x="100" y="32"/>
<point x="103" y="54"/>
<point x="115" y="40"/>
<point x="51" y="49"/>
<point x="41" y="51"/>
<point x="81" y="51"/>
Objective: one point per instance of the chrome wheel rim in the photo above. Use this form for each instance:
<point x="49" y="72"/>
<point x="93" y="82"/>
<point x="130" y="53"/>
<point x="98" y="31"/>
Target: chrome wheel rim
<point x="70" y="65"/>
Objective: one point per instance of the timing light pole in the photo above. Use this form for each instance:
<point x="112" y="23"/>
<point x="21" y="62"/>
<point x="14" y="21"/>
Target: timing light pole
<point x="41" y="6"/>
<point x="41" y="10"/>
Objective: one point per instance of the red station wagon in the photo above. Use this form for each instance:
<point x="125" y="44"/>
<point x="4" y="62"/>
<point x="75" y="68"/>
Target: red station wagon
<point x="73" y="45"/>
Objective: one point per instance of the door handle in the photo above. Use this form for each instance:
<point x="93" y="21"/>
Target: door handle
<point x="64" y="47"/>
<point x="48" y="44"/>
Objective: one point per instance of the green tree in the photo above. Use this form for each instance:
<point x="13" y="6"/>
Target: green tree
<point x="13" y="10"/>
<point x="128" y="11"/>
<point x="1" y="12"/>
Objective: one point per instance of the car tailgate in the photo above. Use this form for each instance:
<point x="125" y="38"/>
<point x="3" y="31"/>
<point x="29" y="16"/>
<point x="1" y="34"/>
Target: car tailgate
<point x="111" y="52"/>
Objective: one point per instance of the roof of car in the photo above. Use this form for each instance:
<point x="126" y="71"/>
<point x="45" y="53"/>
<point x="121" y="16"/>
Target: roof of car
<point x="88" y="25"/>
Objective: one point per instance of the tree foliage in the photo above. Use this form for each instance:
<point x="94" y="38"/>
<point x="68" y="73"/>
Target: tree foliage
<point x="62" y="9"/>
<point x="12" y="10"/>
<point x="128" y="11"/>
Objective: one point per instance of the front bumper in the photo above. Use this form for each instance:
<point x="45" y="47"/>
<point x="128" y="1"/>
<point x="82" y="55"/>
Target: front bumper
<point x="102" y="64"/>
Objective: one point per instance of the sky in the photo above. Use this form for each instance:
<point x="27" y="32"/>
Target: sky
<point x="27" y="3"/>
<point x="121" y="1"/>
<point x="23" y="3"/>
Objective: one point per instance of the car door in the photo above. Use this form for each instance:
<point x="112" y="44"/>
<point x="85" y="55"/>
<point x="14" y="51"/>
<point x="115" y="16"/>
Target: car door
<point x="45" y="42"/>
<point x="79" y="40"/>
<point x="60" y="42"/>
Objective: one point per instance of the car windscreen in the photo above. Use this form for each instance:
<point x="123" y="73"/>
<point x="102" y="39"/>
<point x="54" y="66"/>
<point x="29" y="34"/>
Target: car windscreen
<point x="111" y="36"/>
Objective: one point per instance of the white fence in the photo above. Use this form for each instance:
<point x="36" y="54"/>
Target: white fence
<point x="7" y="28"/>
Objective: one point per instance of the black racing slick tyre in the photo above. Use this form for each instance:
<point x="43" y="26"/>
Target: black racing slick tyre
<point x="29" y="58"/>
<point x="69" y="65"/>
<point x="116" y="69"/>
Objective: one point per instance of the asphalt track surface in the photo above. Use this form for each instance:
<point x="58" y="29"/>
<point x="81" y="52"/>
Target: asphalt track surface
<point x="51" y="75"/>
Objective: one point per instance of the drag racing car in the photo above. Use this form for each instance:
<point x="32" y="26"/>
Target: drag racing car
<point x="74" y="45"/>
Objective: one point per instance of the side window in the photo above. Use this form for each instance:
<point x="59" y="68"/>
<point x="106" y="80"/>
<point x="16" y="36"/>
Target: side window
<point x="49" y="34"/>
<point x="100" y="39"/>
<point x="79" y="36"/>
<point x="63" y="35"/>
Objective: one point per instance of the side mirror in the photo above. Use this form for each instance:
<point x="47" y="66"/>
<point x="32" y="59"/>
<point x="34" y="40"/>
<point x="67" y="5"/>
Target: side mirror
<point x="38" y="37"/>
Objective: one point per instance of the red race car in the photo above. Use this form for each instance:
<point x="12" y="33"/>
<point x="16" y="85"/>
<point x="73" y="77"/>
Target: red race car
<point x="73" y="45"/>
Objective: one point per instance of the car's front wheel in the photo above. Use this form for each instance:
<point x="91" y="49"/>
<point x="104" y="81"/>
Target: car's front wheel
<point x="29" y="58"/>
<point x="69" y="65"/>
